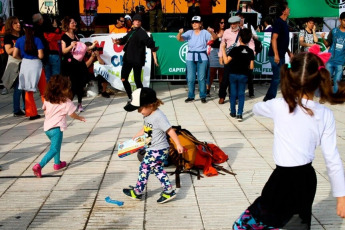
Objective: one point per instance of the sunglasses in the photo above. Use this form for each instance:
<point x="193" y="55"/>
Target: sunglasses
<point x="195" y="22"/>
<point x="122" y="21"/>
<point x="221" y="23"/>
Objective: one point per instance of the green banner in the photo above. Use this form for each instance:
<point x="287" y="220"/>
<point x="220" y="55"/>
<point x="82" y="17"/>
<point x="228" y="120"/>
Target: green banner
<point x="261" y="62"/>
<point x="315" y="8"/>
<point x="171" y="54"/>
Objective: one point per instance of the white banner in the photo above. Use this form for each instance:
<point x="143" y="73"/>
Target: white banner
<point x="112" y="55"/>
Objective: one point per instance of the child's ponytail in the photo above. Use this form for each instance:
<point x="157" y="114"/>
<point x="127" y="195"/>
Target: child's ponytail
<point x="288" y="87"/>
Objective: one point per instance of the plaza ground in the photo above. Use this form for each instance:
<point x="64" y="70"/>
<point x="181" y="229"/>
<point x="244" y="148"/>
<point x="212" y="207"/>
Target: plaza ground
<point x="73" y="198"/>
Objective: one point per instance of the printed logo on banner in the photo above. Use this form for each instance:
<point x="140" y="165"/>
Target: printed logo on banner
<point x="322" y="45"/>
<point x="337" y="4"/>
<point x="183" y="52"/>
<point x="262" y="58"/>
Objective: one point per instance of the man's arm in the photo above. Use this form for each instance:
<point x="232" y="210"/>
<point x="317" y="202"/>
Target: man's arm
<point x="275" y="47"/>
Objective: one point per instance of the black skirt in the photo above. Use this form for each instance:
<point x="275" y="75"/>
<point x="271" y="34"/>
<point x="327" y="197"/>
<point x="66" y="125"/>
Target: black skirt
<point x="288" y="191"/>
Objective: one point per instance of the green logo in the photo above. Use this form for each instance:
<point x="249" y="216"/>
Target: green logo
<point x="262" y="58"/>
<point x="183" y="52"/>
<point x="336" y="4"/>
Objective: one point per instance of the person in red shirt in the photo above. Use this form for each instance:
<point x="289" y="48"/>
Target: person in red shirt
<point x="53" y="37"/>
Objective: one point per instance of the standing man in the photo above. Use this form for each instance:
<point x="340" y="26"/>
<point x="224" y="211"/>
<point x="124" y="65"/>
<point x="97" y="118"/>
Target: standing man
<point x="135" y="43"/>
<point x="156" y="15"/>
<point x="231" y="39"/>
<point x="336" y="42"/>
<point x="119" y="27"/>
<point x="308" y="37"/>
<point x="278" y="47"/>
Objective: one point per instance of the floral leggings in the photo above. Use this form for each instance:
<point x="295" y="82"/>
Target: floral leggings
<point x="153" y="161"/>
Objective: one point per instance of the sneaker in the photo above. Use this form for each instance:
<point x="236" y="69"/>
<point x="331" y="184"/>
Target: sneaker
<point x="232" y="114"/>
<point x="189" y="100"/>
<point x="37" y="170"/>
<point x="105" y="94"/>
<point x="221" y="101"/>
<point x="19" y="114"/>
<point x="131" y="193"/>
<point x="80" y="108"/>
<point x="203" y="100"/>
<point x="35" y="117"/>
<point x="4" y="91"/>
<point x="239" y="118"/>
<point x="165" y="197"/>
<point x="60" y="166"/>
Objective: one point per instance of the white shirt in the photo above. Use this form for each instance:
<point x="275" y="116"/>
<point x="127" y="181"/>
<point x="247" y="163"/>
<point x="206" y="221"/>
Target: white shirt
<point x="297" y="134"/>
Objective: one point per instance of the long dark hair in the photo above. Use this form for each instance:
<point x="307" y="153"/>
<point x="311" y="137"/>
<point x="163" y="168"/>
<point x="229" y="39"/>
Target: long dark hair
<point x="216" y="24"/>
<point x="30" y="47"/>
<point x="307" y="74"/>
<point x="58" y="89"/>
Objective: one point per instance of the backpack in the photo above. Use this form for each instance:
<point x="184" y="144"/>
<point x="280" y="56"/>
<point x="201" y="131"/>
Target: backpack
<point x="258" y="45"/>
<point x="198" y="155"/>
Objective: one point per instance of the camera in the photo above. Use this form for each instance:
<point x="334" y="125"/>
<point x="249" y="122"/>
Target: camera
<point x="100" y="49"/>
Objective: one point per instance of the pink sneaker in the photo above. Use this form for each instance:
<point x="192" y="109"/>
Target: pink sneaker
<point x="60" y="166"/>
<point x="37" y="170"/>
<point x="80" y="108"/>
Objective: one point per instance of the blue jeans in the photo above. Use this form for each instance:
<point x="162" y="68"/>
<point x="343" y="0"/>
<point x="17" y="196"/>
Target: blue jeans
<point x="55" y="136"/>
<point x="16" y="97"/>
<point x="238" y="83"/>
<point x="272" y="90"/>
<point x="192" y="68"/>
<point x="52" y="66"/>
<point x="336" y="74"/>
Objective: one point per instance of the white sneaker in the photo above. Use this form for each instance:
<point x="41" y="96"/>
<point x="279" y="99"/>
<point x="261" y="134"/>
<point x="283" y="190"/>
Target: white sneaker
<point x="4" y="91"/>
<point x="80" y="108"/>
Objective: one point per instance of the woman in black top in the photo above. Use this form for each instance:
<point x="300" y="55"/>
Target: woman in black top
<point x="74" y="69"/>
<point x="216" y="63"/>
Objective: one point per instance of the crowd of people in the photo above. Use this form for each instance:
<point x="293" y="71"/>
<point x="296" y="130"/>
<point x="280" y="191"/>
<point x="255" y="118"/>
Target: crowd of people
<point x="300" y="122"/>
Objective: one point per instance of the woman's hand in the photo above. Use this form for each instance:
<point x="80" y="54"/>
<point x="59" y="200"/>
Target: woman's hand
<point x="115" y="40"/>
<point x="180" y="31"/>
<point x="73" y="44"/>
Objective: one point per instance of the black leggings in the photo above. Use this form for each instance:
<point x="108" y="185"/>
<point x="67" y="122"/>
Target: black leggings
<point x="289" y="191"/>
<point x="125" y="71"/>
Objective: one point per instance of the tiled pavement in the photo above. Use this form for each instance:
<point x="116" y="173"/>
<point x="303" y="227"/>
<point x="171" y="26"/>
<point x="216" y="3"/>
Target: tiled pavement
<point x="74" y="198"/>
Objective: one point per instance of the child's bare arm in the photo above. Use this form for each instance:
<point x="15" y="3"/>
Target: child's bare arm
<point x="173" y="136"/>
<point x="140" y="133"/>
<point x="76" y="116"/>
<point x="341" y="206"/>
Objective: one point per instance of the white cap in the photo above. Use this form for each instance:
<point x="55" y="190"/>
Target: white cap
<point x="196" y="19"/>
<point x="128" y="17"/>
<point x="234" y="19"/>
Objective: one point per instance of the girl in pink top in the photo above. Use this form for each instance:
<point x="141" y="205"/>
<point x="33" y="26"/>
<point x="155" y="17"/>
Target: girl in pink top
<point x="56" y="106"/>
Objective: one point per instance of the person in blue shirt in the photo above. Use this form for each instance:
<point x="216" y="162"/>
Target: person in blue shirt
<point x="336" y="43"/>
<point x="197" y="59"/>
<point x="31" y="75"/>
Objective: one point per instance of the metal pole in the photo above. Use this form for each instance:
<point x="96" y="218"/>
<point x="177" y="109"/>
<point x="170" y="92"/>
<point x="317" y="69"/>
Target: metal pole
<point x="12" y="8"/>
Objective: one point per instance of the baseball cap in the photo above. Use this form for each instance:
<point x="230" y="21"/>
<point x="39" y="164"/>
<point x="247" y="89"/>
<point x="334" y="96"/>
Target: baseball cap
<point x="128" y="17"/>
<point x="137" y="17"/>
<point x="141" y="97"/>
<point x="234" y="19"/>
<point x="196" y="19"/>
